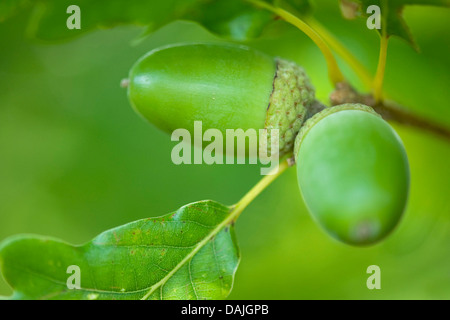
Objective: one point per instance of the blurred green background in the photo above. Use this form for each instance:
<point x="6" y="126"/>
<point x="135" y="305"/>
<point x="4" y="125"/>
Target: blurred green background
<point x="76" y="160"/>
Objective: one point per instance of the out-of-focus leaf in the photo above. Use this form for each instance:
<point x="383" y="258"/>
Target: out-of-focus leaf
<point x="392" y="13"/>
<point x="10" y="7"/>
<point x="188" y="254"/>
<point x="233" y="19"/>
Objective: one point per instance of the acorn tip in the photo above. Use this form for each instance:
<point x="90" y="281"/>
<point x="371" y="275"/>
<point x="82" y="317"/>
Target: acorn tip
<point x="124" y="83"/>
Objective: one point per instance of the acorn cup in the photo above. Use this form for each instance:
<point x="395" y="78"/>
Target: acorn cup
<point x="225" y="86"/>
<point x="353" y="173"/>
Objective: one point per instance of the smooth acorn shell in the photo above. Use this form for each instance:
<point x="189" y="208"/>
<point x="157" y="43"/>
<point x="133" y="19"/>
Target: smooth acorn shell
<point x="224" y="86"/>
<point x="227" y="87"/>
<point x="353" y="173"/>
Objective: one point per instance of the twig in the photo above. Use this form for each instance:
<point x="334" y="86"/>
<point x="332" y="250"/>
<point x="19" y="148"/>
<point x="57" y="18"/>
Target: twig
<point x="389" y="110"/>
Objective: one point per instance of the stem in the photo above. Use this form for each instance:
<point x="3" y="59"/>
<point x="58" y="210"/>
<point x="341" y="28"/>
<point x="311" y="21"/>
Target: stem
<point x="392" y="112"/>
<point x="389" y="110"/>
<point x="258" y="188"/>
<point x="334" y="73"/>
<point x="361" y="71"/>
<point x="379" y="76"/>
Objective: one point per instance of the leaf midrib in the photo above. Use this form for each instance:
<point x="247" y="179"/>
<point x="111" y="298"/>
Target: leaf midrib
<point x="196" y="248"/>
<point x="191" y="254"/>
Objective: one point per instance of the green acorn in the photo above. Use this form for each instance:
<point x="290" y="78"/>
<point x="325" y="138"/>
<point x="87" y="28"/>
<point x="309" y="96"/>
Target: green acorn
<point x="224" y="86"/>
<point x="353" y="173"/>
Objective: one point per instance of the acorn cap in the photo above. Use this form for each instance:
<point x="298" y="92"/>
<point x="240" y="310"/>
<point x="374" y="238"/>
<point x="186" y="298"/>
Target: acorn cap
<point x="292" y="96"/>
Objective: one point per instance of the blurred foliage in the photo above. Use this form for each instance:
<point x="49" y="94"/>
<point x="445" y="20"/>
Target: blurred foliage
<point x="76" y="160"/>
<point x="392" y="13"/>
<point x="234" y="19"/>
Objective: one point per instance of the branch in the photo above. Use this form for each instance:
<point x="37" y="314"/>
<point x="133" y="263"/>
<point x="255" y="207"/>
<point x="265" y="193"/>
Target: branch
<point x="389" y="110"/>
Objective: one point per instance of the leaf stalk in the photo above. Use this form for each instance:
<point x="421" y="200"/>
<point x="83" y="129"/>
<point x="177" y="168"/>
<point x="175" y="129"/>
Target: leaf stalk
<point x="258" y="188"/>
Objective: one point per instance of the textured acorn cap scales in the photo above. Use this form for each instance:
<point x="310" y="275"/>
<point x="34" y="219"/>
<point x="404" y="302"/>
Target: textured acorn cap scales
<point x="291" y="97"/>
<point x="324" y="113"/>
